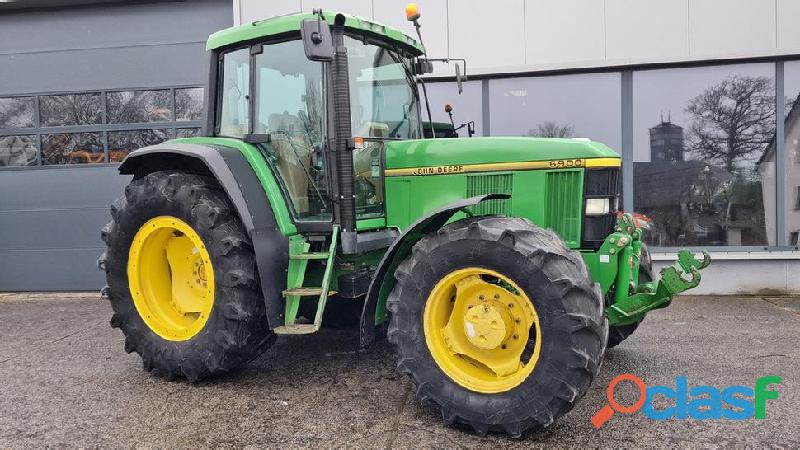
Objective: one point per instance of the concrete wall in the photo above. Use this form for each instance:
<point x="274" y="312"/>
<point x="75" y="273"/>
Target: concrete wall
<point x="50" y="217"/>
<point x="50" y="222"/>
<point x="525" y="35"/>
<point x="743" y="274"/>
<point x="108" y="47"/>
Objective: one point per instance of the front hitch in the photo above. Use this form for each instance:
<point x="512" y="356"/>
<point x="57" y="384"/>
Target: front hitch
<point x="683" y="275"/>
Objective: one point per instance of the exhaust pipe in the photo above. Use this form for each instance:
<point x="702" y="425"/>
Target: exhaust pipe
<point x="343" y="148"/>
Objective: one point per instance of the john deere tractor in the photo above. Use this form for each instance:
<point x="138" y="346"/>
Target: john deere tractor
<point x="499" y="268"/>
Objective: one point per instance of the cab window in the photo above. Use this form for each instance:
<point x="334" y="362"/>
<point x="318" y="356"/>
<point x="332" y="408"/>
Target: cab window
<point x="289" y="107"/>
<point x="383" y="105"/>
<point x="234" y="117"/>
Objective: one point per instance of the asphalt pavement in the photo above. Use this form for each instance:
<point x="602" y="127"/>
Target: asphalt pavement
<point x="65" y="380"/>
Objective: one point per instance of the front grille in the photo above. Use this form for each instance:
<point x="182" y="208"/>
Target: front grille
<point x="490" y="184"/>
<point x="564" y="200"/>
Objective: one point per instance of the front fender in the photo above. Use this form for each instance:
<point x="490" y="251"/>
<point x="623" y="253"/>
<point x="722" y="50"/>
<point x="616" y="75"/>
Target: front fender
<point x="240" y="183"/>
<point x="383" y="281"/>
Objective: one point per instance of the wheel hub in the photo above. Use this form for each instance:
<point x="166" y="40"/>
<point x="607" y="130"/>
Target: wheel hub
<point x="171" y="278"/>
<point x="482" y="330"/>
<point x="484" y="326"/>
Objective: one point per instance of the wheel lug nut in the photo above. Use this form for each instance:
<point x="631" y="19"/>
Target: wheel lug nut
<point x="516" y="336"/>
<point x="503" y="346"/>
<point x="481" y="298"/>
<point x="510" y="305"/>
<point x="497" y="296"/>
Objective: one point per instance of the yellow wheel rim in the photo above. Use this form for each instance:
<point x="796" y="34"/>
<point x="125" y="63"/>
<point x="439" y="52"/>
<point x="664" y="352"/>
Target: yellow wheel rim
<point x="482" y="330"/>
<point x="171" y="278"/>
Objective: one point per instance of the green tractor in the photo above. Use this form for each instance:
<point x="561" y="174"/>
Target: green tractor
<point x="499" y="268"/>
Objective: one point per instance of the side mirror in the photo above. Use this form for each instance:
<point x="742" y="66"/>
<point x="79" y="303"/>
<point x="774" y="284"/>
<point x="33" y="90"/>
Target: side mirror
<point x="317" y="39"/>
<point x="459" y="79"/>
<point x="422" y="66"/>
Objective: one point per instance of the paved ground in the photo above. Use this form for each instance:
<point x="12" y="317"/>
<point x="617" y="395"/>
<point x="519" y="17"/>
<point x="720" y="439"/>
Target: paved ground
<point x="65" y="380"/>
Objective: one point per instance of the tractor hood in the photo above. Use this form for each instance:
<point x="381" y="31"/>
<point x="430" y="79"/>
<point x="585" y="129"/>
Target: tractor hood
<point x="443" y="156"/>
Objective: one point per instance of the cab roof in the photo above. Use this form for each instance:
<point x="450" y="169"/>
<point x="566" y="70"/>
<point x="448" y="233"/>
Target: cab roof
<point x="290" y="23"/>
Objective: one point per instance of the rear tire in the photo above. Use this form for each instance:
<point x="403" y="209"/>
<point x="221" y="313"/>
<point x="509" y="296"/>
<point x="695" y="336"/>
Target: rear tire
<point x="555" y="279"/>
<point x="619" y="333"/>
<point x="236" y="330"/>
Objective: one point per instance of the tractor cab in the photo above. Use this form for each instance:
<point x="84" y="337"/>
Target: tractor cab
<point x="272" y="93"/>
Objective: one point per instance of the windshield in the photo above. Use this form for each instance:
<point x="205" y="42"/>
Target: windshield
<point x="383" y="99"/>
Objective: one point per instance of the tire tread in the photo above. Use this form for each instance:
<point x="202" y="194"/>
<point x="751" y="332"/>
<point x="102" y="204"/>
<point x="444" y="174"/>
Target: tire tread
<point x="237" y="331"/>
<point x="585" y="327"/>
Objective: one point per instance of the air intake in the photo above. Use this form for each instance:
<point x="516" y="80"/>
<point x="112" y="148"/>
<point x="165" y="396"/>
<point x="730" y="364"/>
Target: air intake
<point x="490" y="184"/>
<point x="564" y="204"/>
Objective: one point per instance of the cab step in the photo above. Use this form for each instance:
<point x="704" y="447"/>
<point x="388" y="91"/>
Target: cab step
<point x="304" y="328"/>
<point x="298" y="264"/>
<point x="310" y="255"/>
<point x="305" y="292"/>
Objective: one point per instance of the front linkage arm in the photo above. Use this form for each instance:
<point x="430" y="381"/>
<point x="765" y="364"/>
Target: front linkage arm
<point x="631" y="308"/>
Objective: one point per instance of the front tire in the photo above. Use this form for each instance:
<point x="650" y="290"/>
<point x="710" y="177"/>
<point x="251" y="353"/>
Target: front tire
<point x="513" y="263"/>
<point x="182" y="278"/>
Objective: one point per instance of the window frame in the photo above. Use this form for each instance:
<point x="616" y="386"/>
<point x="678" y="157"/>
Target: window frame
<point x="103" y="128"/>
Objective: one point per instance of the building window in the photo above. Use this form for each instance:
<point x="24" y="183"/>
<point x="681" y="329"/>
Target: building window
<point x="791" y="127"/>
<point x="697" y="182"/>
<point x="94" y="127"/>
<point x="139" y="106"/>
<point x="189" y="104"/>
<point x="70" y="109"/>
<point x="565" y="106"/>
<point x="72" y="148"/>
<point x="187" y="132"/>
<point x="16" y="112"/>
<point x="797" y="198"/>
<point x="18" y="151"/>
<point x="120" y="143"/>
<point x="467" y="106"/>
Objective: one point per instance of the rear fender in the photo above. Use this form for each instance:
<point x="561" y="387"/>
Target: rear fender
<point x="247" y="195"/>
<point x="383" y="281"/>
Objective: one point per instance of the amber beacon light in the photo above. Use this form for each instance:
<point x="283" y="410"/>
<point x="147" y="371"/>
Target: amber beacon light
<point x="412" y="12"/>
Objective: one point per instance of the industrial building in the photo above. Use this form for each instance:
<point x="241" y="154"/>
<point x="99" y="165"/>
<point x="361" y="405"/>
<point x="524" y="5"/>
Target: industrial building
<point x="84" y="82"/>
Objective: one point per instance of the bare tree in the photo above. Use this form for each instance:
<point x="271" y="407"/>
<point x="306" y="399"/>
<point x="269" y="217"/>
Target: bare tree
<point x="550" y="129"/>
<point x="733" y="119"/>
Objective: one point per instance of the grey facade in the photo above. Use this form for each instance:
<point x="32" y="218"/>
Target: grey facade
<point x="50" y="215"/>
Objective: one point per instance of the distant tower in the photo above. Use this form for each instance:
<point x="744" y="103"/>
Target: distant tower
<point x="666" y="141"/>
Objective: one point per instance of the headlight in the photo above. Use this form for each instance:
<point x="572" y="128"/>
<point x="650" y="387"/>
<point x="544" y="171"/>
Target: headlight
<point x="601" y="191"/>
<point x="597" y="206"/>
